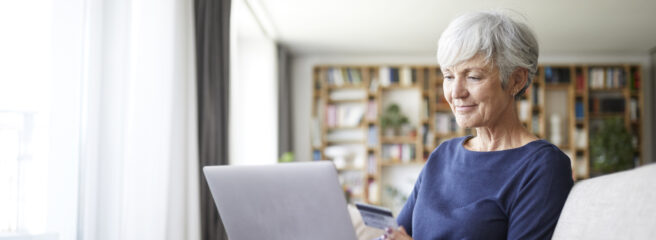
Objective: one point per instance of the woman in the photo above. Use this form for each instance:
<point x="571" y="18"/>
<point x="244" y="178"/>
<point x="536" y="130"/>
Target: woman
<point x="503" y="183"/>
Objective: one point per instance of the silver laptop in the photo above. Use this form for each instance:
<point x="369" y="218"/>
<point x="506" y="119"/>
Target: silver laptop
<point x="283" y="201"/>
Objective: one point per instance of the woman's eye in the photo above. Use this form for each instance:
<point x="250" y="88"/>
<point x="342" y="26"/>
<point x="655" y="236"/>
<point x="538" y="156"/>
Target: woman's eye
<point x="448" y="77"/>
<point x="474" y="78"/>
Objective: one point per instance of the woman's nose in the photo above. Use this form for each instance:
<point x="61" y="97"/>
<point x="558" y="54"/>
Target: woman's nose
<point x="459" y="89"/>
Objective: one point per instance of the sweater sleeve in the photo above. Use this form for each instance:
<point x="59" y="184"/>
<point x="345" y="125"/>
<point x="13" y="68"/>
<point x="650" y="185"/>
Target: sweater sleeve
<point x="541" y="196"/>
<point x="405" y="216"/>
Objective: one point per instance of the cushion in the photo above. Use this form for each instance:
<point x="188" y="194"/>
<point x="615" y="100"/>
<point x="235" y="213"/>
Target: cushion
<point x="615" y="206"/>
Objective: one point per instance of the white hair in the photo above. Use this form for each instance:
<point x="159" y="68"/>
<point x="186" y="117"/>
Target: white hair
<point x="506" y="42"/>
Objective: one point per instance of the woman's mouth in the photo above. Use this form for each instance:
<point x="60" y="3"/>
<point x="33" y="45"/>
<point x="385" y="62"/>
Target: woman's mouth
<point x="465" y="108"/>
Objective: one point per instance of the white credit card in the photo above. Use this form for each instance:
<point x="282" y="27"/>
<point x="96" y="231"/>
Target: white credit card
<point x="377" y="217"/>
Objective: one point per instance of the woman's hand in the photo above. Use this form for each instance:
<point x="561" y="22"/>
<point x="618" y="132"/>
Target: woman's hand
<point x="398" y="234"/>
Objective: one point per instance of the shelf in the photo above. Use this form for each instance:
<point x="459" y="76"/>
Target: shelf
<point x="346" y="86"/>
<point x="606" y="115"/>
<point x="344" y="128"/>
<point x="558" y="86"/>
<point x="399" y="140"/>
<point x="398" y="86"/>
<point x="363" y="100"/>
<point x="447" y="135"/>
<point x="606" y="89"/>
<point x="391" y="164"/>
<point x="563" y="147"/>
<point x="346" y="142"/>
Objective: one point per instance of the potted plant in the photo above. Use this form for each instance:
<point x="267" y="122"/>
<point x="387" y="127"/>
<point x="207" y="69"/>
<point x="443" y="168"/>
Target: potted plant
<point x="611" y="148"/>
<point x="392" y="120"/>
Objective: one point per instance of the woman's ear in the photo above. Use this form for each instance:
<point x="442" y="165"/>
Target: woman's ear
<point x="518" y="78"/>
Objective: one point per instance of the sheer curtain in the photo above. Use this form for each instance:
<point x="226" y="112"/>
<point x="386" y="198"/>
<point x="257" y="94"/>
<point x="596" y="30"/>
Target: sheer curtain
<point x="139" y="177"/>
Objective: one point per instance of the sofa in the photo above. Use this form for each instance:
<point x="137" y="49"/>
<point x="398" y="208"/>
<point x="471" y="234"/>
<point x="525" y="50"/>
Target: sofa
<point x="615" y="206"/>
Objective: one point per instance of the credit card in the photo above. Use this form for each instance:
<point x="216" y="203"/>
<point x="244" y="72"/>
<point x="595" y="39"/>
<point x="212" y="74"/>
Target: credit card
<point x="376" y="217"/>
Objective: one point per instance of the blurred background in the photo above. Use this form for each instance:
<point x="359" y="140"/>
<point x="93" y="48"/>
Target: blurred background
<point x="109" y="109"/>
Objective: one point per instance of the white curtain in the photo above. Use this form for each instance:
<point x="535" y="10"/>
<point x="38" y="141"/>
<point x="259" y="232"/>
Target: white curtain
<point x="139" y="169"/>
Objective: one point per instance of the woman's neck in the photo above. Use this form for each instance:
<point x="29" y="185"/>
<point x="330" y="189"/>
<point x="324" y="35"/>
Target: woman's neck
<point x="507" y="133"/>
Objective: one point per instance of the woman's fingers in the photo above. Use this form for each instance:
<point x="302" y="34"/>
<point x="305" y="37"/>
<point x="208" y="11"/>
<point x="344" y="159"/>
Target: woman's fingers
<point x="398" y="234"/>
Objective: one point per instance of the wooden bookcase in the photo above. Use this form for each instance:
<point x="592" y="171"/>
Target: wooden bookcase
<point x="563" y="90"/>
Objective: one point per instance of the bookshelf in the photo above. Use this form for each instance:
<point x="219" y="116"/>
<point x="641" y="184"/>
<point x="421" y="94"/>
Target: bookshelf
<point x="348" y="101"/>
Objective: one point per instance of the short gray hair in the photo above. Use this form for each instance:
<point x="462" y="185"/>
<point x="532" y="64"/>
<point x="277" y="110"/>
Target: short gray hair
<point x="507" y="42"/>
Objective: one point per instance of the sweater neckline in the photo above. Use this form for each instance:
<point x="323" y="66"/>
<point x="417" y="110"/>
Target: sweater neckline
<point x="462" y="146"/>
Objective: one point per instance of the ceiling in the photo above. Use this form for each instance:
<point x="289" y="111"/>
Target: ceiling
<point x="413" y="26"/>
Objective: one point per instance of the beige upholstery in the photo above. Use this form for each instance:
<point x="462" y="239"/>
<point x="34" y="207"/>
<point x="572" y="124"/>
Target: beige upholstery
<point x="615" y="206"/>
<point x="363" y="232"/>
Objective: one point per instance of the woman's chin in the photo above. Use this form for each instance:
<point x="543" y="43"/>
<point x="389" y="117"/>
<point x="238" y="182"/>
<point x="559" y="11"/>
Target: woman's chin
<point x="465" y="123"/>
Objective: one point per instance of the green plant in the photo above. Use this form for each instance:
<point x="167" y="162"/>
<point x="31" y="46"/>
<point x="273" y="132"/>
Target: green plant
<point x="286" y="157"/>
<point x="392" y="117"/>
<point x="611" y="147"/>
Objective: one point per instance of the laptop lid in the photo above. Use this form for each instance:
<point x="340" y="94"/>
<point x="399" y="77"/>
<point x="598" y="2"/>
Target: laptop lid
<point x="284" y="201"/>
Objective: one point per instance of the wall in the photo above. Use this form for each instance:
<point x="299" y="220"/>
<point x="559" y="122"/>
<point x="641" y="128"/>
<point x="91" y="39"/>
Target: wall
<point x="253" y="92"/>
<point x="302" y="76"/>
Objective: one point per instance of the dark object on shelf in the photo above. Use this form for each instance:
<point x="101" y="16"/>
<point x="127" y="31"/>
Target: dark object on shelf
<point x="610" y="147"/>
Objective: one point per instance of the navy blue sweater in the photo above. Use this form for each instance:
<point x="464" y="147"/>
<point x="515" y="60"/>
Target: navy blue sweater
<point x="510" y="194"/>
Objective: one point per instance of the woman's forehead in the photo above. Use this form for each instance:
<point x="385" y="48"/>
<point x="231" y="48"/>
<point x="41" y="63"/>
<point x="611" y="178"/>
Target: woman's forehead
<point x="477" y="62"/>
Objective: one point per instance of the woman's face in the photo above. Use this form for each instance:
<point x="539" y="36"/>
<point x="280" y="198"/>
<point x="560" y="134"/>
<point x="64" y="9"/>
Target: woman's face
<point x="474" y="93"/>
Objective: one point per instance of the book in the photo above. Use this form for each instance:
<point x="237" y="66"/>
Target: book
<point x="405" y="77"/>
<point x="634" y="114"/>
<point x="316" y="155"/>
<point x="385" y="77"/>
<point x="394" y="75"/>
<point x="372" y="110"/>
<point x="578" y="110"/>
<point x="372" y="136"/>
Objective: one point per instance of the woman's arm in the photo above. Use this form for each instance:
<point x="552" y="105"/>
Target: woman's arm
<point x="542" y="195"/>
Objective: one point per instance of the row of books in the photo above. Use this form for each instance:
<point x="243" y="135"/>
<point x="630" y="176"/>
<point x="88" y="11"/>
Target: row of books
<point x="348" y="94"/>
<point x="427" y="136"/>
<point x="344" y="115"/>
<point x="445" y="123"/>
<point x="425" y="113"/>
<point x="345" y="135"/>
<point x="600" y="78"/>
<point x="398" y="152"/>
<point x="341" y="77"/>
<point x="392" y="75"/>
<point x="556" y="75"/>
<point x="353" y="184"/>
<point x="607" y="105"/>
<point x="537" y="95"/>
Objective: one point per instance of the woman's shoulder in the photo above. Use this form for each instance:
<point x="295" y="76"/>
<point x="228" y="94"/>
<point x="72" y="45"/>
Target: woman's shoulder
<point x="546" y="157"/>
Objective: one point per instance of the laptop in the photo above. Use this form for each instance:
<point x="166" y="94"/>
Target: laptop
<point x="284" y="201"/>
